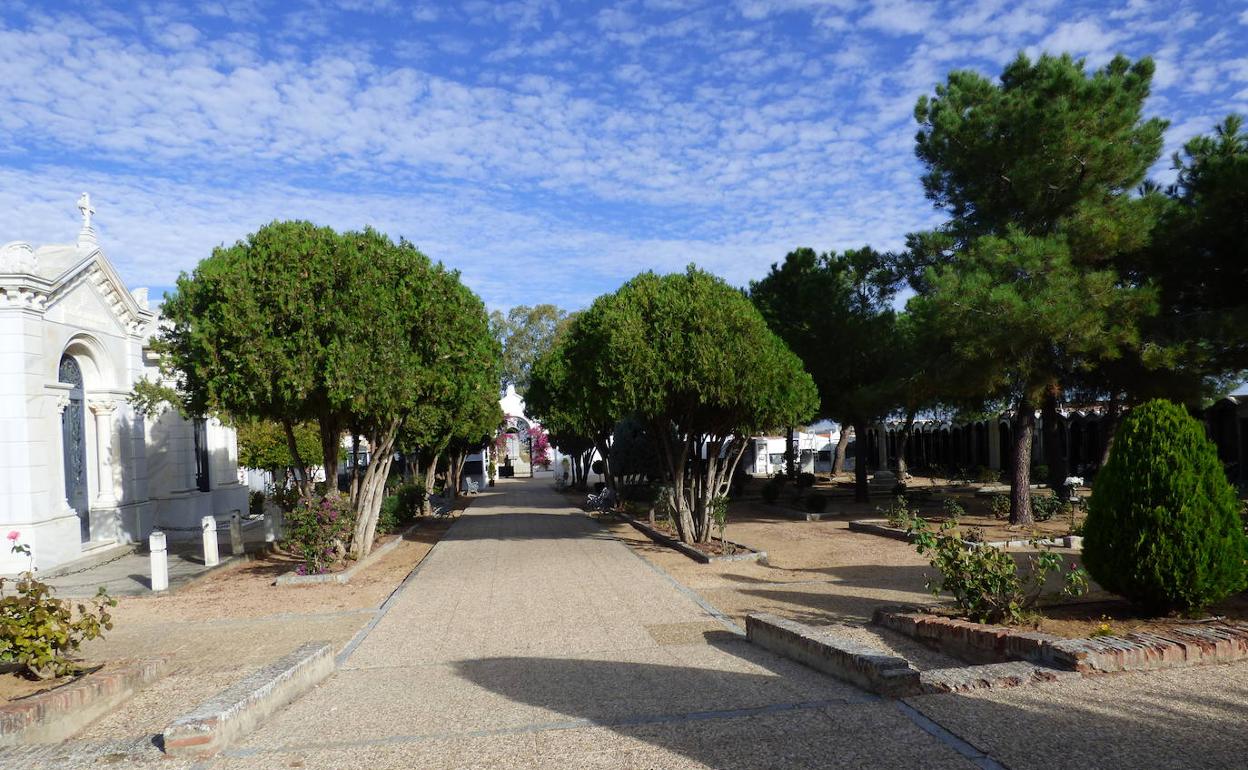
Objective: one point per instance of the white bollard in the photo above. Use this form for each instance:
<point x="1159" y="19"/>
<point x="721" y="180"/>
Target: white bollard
<point x="211" y="557"/>
<point x="236" y="533"/>
<point x="272" y="526"/>
<point x="160" y="560"/>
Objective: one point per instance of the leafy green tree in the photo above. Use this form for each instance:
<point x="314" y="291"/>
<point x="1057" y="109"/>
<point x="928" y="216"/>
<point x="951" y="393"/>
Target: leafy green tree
<point x="299" y="323"/>
<point x="835" y="312"/>
<point x="252" y="332"/>
<point x="262" y="444"/>
<point x="525" y="333"/>
<point x="689" y="355"/>
<point x="1035" y="172"/>
<point x="1200" y="258"/>
<point x="1163" y="524"/>
<point x="563" y="397"/>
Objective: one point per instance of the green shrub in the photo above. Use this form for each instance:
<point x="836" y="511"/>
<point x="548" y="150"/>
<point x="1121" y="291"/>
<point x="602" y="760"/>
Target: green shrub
<point x="1045" y="507"/>
<point x="1163" y="525"/>
<point x="816" y="503"/>
<point x="37" y="632"/>
<point x="771" y="491"/>
<point x="986" y="475"/>
<point x="1040" y="472"/>
<point x="985" y="581"/>
<point x="898" y="512"/>
<point x="318" y="530"/>
<point x="255" y="503"/>
<point x="805" y="480"/>
<point x="953" y="509"/>
<point x="1000" y="506"/>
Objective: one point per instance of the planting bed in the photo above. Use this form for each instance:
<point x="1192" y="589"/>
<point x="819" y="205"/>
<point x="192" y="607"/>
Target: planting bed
<point x="1177" y="645"/>
<point x="713" y="551"/>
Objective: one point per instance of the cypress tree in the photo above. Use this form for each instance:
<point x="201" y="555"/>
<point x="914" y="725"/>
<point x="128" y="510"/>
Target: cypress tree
<point x="1163" y="526"/>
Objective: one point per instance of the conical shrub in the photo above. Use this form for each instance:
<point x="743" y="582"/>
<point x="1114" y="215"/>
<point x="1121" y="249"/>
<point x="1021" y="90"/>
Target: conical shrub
<point x="1163" y="524"/>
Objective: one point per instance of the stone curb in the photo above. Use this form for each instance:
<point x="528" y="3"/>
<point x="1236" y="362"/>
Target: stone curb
<point x="239" y="708"/>
<point x="875" y="527"/>
<point x="53" y="716"/>
<point x="821" y="650"/>
<point x="992" y="675"/>
<point x="881" y="528"/>
<point x="294" y="578"/>
<point x="1190" y="645"/>
<point x="748" y="554"/>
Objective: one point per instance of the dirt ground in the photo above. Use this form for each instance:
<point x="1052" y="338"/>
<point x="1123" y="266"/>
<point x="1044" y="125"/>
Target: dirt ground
<point x="1115" y="617"/>
<point x="819" y="572"/>
<point x="13" y="686"/>
<point x="230" y="622"/>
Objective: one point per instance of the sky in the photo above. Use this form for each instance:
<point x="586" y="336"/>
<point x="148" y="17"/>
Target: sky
<point x="547" y="150"/>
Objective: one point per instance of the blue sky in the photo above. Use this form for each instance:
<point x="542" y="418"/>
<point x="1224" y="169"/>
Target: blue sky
<point x="548" y="150"/>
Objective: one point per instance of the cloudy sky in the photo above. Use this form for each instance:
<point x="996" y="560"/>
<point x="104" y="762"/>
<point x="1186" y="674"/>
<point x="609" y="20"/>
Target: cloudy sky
<point x="549" y="150"/>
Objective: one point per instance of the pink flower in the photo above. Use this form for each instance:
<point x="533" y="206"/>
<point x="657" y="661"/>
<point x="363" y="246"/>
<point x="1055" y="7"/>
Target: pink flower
<point x="14" y="535"/>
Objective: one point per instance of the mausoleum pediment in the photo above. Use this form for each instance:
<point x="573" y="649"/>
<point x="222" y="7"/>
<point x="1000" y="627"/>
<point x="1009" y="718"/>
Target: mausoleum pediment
<point x="71" y="283"/>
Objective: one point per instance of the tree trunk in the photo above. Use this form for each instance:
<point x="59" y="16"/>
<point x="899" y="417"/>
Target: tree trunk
<point x="373" y="488"/>
<point x="355" y="468"/>
<point x="303" y="478"/>
<point x="431" y="469"/>
<point x="1050" y="425"/>
<point x="1020" y="482"/>
<point x="790" y="461"/>
<point x="602" y="443"/>
<point x="331" y="444"/>
<point x="902" y="467"/>
<point x="842" y="443"/>
<point x="862" y="493"/>
<point x="1113" y="415"/>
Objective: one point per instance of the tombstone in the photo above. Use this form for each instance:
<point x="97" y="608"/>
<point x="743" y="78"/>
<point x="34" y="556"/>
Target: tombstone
<point x="884" y="481"/>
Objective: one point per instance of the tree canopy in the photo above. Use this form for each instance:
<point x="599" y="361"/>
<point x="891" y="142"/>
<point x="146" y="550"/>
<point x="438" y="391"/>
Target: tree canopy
<point x="1036" y="172"/>
<point x="691" y="357"/>
<point x="525" y="333"/>
<point x="353" y="331"/>
<point x="835" y="312"/>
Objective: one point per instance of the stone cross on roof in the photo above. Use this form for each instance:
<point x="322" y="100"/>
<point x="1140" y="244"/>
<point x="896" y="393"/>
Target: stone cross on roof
<point x="86" y="236"/>
<point x="84" y="205"/>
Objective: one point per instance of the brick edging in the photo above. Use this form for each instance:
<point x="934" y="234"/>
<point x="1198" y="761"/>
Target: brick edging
<point x="1190" y="645"/>
<point x="55" y="715"/>
<point x="846" y="659"/>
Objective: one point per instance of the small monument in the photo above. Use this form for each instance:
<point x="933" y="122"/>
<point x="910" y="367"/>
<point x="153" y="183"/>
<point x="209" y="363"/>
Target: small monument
<point x="86" y="236"/>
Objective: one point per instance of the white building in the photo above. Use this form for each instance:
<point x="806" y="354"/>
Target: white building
<point x="814" y="453"/>
<point x="80" y="470"/>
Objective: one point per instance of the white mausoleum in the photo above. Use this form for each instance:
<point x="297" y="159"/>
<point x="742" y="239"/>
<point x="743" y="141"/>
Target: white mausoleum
<point x="80" y="470"/>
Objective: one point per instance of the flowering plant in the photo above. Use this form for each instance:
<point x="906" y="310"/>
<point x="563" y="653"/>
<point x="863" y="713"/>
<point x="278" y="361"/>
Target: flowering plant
<point x="318" y="529"/>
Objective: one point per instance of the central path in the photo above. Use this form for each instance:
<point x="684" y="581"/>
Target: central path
<point x="530" y="637"/>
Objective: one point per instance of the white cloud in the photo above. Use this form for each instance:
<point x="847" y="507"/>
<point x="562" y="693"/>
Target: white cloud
<point x="898" y="17"/>
<point x="558" y="148"/>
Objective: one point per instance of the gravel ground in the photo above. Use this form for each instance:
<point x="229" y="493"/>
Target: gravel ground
<point x="823" y="574"/>
<point x="217" y="631"/>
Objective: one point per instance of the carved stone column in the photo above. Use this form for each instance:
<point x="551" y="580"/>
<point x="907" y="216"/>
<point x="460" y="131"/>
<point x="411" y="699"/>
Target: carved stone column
<point x="103" y="411"/>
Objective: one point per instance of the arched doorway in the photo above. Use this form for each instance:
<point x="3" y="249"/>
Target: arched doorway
<point x="74" y="444"/>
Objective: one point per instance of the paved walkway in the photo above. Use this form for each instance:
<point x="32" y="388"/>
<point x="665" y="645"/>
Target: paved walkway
<point x="529" y="637"/>
<point x="532" y="638"/>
